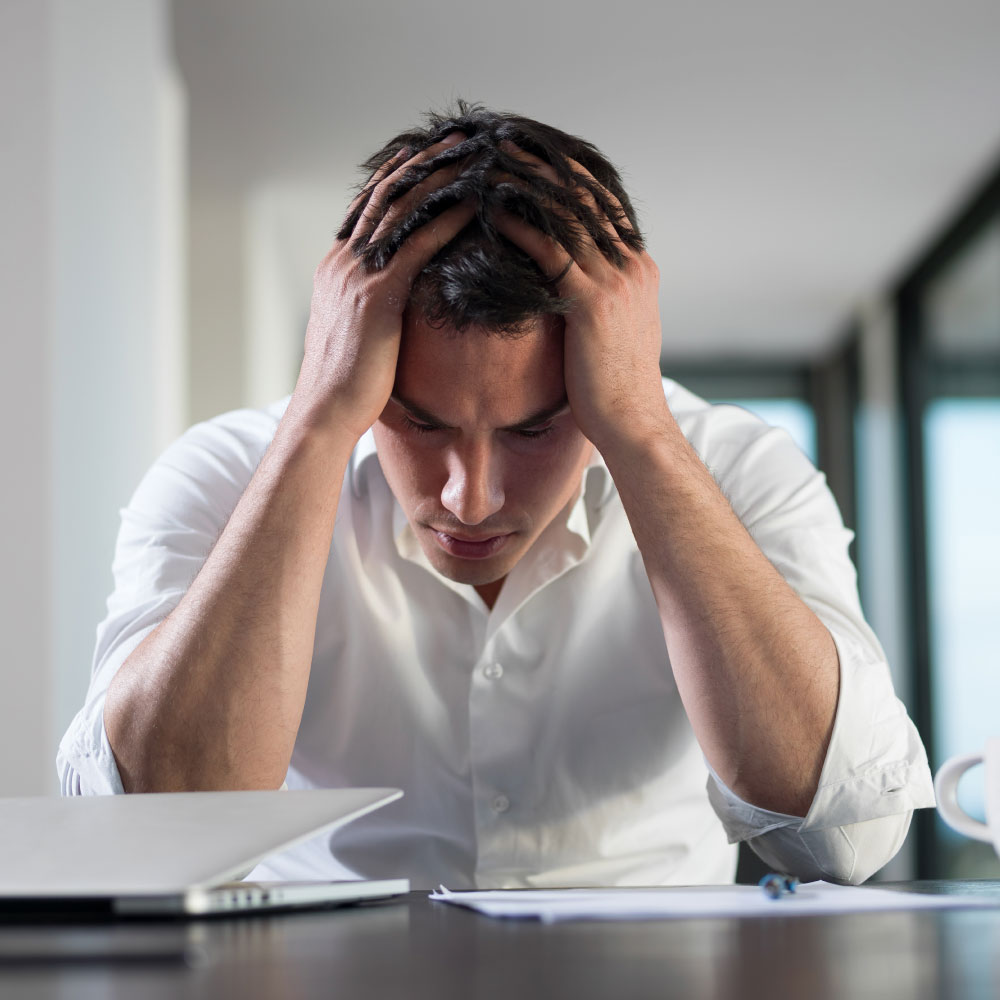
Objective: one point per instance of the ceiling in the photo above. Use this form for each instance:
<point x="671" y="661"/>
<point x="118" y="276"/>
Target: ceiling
<point x="788" y="158"/>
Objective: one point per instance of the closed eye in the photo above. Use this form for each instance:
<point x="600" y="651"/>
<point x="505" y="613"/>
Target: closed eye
<point x="533" y="433"/>
<point x="418" y="426"/>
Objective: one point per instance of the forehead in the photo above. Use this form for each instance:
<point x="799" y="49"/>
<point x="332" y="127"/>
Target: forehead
<point x="479" y="377"/>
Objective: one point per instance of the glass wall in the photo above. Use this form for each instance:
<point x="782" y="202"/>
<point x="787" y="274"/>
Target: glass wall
<point x="960" y="431"/>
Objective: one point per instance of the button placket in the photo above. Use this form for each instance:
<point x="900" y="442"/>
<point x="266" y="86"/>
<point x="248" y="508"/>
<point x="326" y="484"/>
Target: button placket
<point x="493" y="723"/>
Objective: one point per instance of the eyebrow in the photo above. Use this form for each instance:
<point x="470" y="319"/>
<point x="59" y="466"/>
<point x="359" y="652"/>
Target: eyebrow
<point x="532" y="420"/>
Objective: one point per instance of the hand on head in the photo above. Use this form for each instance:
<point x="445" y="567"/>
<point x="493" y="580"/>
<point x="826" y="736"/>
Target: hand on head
<point x="355" y="320"/>
<point x="491" y="221"/>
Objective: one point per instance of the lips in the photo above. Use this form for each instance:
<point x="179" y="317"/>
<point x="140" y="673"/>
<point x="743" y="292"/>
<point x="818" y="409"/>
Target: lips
<point x="465" y="547"/>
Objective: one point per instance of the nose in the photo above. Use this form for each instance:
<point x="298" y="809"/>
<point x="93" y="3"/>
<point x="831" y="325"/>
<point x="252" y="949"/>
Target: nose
<point x="474" y="488"/>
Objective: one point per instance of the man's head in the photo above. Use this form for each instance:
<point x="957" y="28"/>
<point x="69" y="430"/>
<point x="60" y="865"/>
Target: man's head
<point x="481" y="279"/>
<point x="478" y="442"/>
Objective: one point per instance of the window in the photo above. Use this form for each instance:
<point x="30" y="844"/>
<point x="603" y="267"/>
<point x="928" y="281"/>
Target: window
<point x="951" y="345"/>
<point x="963" y="556"/>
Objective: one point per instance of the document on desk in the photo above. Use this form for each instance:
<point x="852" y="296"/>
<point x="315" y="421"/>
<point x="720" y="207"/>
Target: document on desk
<point x="811" y="899"/>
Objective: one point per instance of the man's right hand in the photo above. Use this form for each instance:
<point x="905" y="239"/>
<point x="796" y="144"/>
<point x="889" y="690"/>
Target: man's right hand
<point x="355" y="321"/>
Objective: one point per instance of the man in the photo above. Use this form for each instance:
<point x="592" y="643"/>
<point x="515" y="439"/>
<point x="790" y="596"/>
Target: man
<point x="478" y="555"/>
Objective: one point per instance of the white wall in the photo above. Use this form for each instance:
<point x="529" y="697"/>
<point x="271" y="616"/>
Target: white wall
<point x="25" y="392"/>
<point x="95" y="335"/>
<point x="217" y="283"/>
<point x="275" y="311"/>
<point x="252" y="257"/>
<point x="290" y="227"/>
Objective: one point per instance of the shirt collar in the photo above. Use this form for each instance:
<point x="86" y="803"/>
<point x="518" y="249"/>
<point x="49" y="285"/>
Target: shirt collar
<point x="361" y="461"/>
<point x="596" y="490"/>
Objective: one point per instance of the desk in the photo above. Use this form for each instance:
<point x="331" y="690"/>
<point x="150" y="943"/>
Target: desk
<point x="413" y="948"/>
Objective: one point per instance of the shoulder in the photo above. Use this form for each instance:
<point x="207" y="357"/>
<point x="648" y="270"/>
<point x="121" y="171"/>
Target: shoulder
<point x="759" y="467"/>
<point x="714" y="429"/>
<point x="209" y="466"/>
<point x="237" y="438"/>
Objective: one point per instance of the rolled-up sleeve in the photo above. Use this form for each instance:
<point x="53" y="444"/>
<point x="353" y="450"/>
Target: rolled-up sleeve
<point x="85" y="760"/>
<point x="166" y="534"/>
<point x="875" y="772"/>
<point x="874" y="775"/>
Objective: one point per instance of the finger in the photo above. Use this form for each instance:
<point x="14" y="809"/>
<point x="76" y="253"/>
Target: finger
<point x="610" y="207"/>
<point x="359" y="201"/>
<point x="457" y="149"/>
<point x="416" y="196"/>
<point x="536" y="163"/>
<point x="382" y="194"/>
<point x="566" y="222"/>
<point x="552" y="258"/>
<point x="415" y="253"/>
<point x="596" y="239"/>
<point x="604" y="207"/>
<point x="400" y="156"/>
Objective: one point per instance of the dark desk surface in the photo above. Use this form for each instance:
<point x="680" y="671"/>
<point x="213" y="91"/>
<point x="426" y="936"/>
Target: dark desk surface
<point x="414" y="948"/>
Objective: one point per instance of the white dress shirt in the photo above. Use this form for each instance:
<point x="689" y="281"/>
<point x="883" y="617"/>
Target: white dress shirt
<point x="542" y="743"/>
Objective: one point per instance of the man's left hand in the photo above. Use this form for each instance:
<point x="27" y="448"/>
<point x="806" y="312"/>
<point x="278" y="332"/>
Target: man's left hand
<point x="613" y="339"/>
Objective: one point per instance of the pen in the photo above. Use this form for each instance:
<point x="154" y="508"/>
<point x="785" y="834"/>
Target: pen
<point x="775" y="886"/>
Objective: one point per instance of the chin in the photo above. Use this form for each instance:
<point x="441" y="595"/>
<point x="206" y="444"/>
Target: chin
<point x="477" y="575"/>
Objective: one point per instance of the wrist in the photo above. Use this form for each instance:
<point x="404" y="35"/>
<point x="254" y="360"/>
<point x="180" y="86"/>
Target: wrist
<point x="654" y="455"/>
<point x="307" y="425"/>
<point x="635" y="430"/>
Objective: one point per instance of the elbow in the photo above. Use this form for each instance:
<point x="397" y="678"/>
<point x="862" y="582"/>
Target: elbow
<point x="846" y="855"/>
<point x="876" y="842"/>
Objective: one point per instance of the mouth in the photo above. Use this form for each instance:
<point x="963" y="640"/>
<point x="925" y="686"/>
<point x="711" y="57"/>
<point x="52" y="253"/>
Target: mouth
<point x="465" y="547"/>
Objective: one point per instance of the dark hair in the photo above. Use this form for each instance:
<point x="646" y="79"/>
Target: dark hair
<point x="480" y="278"/>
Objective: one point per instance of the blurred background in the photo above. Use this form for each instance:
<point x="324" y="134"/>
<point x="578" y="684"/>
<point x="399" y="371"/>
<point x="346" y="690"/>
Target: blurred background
<point x="820" y="185"/>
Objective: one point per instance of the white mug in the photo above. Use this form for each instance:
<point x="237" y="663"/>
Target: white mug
<point x="946" y="787"/>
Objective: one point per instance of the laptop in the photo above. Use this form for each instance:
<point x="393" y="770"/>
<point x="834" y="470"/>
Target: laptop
<point x="178" y="853"/>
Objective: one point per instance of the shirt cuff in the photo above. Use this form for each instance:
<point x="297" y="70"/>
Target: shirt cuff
<point x="875" y="766"/>
<point x="85" y="762"/>
<point x="88" y="766"/>
<point x="740" y="819"/>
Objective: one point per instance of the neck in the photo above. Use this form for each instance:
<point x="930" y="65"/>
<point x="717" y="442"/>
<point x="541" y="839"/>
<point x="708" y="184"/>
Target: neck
<point x="489" y="592"/>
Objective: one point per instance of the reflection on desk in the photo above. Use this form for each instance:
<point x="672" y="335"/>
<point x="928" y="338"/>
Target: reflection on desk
<point x="414" y="948"/>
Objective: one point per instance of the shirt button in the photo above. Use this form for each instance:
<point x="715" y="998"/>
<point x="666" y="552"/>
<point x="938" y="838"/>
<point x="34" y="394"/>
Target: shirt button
<point x="493" y="671"/>
<point x="501" y="804"/>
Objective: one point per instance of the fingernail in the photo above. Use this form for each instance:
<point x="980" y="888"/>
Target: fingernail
<point x="452" y="139"/>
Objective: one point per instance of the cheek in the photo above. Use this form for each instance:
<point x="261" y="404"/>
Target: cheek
<point x="409" y="469"/>
<point x="550" y="476"/>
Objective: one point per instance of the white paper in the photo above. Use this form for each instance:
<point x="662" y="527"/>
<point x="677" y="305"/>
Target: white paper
<point x="814" y="898"/>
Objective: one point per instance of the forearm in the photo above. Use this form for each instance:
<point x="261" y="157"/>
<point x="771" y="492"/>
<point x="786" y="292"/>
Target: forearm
<point x="756" y="669"/>
<point x="213" y="697"/>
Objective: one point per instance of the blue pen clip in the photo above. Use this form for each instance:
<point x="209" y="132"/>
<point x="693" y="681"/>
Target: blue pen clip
<point x="775" y="886"/>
